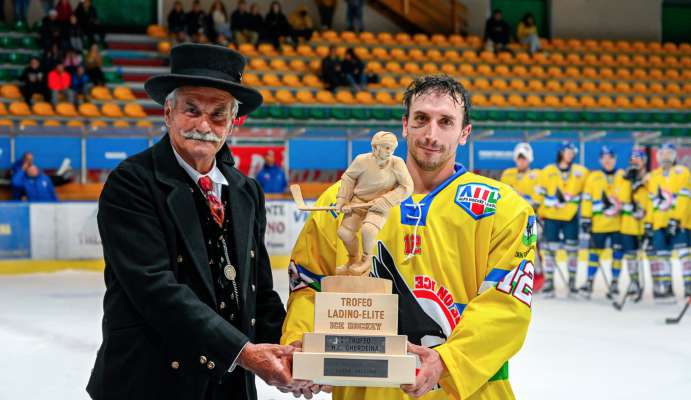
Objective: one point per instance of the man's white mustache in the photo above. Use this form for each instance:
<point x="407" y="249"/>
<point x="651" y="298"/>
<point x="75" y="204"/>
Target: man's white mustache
<point x="196" y="135"/>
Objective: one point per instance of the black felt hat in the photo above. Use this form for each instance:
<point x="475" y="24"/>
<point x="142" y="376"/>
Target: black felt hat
<point x="205" y="65"/>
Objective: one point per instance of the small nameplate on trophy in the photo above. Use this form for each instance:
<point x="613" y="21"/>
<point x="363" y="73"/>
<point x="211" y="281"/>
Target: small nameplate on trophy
<point x="354" y="344"/>
<point x="356" y="368"/>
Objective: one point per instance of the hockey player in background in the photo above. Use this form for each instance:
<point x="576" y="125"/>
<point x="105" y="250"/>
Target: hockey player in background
<point x="560" y="186"/>
<point x="668" y="220"/>
<point x="633" y="195"/>
<point x="465" y="294"/>
<point x="601" y="219"/>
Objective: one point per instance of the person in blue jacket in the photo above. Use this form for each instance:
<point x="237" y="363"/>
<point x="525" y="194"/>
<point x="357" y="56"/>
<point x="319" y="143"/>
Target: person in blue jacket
<point x="271" y="177"/>
<point x="33" y="185"/>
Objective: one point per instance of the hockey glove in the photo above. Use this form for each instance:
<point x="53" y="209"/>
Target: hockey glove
<point x="672" y="227"/>
<point x="586" y="226"/>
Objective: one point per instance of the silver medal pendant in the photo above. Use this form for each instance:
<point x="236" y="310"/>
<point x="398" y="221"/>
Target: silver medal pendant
<point x="229" y="272"/>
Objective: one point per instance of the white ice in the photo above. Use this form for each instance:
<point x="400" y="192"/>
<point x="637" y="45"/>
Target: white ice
<point x="50" y="331"/>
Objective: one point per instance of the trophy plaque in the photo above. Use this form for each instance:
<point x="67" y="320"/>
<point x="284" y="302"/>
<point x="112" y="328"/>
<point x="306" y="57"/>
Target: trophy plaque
<point x="355" y="340"/>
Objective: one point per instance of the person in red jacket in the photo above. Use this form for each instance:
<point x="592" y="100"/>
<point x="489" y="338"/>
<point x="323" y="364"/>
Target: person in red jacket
<point x="59" y="82"/>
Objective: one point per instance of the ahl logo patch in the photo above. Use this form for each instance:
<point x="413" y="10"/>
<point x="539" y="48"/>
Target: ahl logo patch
<point x="477" y="199"/>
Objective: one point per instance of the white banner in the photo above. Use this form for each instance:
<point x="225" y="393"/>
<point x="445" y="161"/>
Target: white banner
<point x="70" y="230"/>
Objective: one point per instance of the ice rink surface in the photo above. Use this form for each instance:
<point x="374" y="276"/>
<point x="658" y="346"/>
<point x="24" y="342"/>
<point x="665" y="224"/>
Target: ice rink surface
<point x="50" y="331"/>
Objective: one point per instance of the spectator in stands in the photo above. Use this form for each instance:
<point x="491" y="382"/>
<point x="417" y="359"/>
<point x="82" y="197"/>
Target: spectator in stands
<point x="331" y="73"/>
<point x="219" y="21"/>
<point x="196" y="23"/>
<point x="20" y="165"/>
<point x="497" y="33"/>
<point x="256" y="23"/>
<point x="64" y="10"/>
<point x="59" y="82"/>
<point x="527" y="33"/>
<point x="34" y="81"/>
<point x="80" y="85"/>
<point x="177" y="22"/>
<point x="354" y="15"/>
<point x="21" y="7"/>
<point x="94" y="62"/>
<point x="52" y="57"/>
<point x="88" y="20"/>
<point x="33" y="185"/>
<point x="240" y="23"/>
<point x="271" y="177"/>
<point x="301" y="24"/>
<point x="276" y="25"/>
<point x="353" y="70"/>
<point x="72" y="60"/>
<point x="74" y="35"/>
<point x="326" y="12"/>
<point x="47" y="5"/>
<point x="51" y="30"/>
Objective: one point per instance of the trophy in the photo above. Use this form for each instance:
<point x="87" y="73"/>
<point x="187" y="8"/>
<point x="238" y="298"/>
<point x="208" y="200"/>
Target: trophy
<point x="355" y="340"/>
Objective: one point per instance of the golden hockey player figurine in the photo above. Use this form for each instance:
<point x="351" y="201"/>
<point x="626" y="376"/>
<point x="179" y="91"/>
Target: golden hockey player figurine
<point x="379" y="179"/>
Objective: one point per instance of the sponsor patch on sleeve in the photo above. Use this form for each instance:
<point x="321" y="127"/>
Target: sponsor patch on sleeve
<point x="300" y="277"/>
<point x="477" y="199"/>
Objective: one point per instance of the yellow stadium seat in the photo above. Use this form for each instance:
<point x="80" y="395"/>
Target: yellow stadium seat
<point x="3" y="109"/>
<point x="362" y="53"/>
<point x="291" y="80"/>
<point x="89" y="110"/>
<point x="452" y="56"/>
<point x="405" y="81"/>
<point x="312" y="81"/>
<point x="430" y="68"/>
<point x="374" y="67"/>
<point x="516" y="100"/>
<point x="144" y="123"/>
<point x="552" y="101"/>
<point x="75" y="123"/>
<point x="251" y="79"/>
<point x="484" y="70"/>
<point x="10" y="91"/>
<point x="535" y="85"/>
<point x="622" y="102"/>
<point x="325" y="97"/>
<point x="101" y="93"/>
<point x="123" y="93"/>
<point x="322" y="51"/>
<point x="19" y="108"/>
<point x="656" y="102"/>
<point x="43" y="109"/>
<point x="639" y="102"/>
<point x="97" y="124"/>
<point x="380" y="53"/>
<point x="674" y="102"/>
<point x="349" y="37"/>
<point x="393" y="67"/>
<point x="6" y="122"/>
<point x="304" y="50"/>
<point x="517" y="84"/>
<point x="278" y="64"/>
<point x="121" y="123"/>
<point x="553" y="85"/>
<point x="247" y="49"/>
<point x="502" y="70"/>
<point x="639" y="73"/>
<point x="384" y="98"/>
<point x="449" y="69"/>
<point x="164" y="47"/>
<point x="258" y="64"/>
<point x="345" y="97"/>
<point x="65" y="109"/>
<point x="111" y="110"/>
<point x="481" y="84"/>
<point x="487" y="56"/>
<point x="388" y="81"/>
<point x="416" y="55"/>
<point x="468" y="70"/>
<point x="479" y="100"/>
<point x="329" y="35"/>
<point x="440" y="40"/>
<point x="570" y="101"/>
<point x="268" y="96"/>
<point x="134" y="110"/>
<point x="570" y="86"/>
<point x="398" y="53"/>
<point x="639" y="87"/>
<point x="385" y="38"/>
<point x="305" y="97"/>
<point x="622" y="87"/>
<point x="499" y="85"/>
<point x="368" y="37"/>
<point x="672" y="74"/>
<point x="411" y="68"/>
<point x="271" y="80"/>
<point x="27" y="122"/>
<point x="655" y="74"/>
<point x="364" y="98"/>
<point x="284" y="96"/>
<point x="605" y="102"/>
<point x="403" y="38"/>
<point x="588" y="86"/>
<point x="267" y="50"/>
<point x="297" y="65"/>
<point x="52" y="123"/>
<point x="536" y="71"/>
<point x="587" y="101"/>
<point x="533" y="100"/>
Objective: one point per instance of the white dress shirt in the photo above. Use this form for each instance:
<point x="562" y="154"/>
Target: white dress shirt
<point x="214" y="174"/>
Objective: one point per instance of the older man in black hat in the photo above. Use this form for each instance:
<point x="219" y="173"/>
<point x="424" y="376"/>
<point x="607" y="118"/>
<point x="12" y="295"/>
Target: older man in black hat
<point x="189" y="297"/>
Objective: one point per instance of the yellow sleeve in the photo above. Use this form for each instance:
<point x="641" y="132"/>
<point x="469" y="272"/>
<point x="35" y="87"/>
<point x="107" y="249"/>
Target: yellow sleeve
<point x="587" y="198"/>
<point x="313" y="256"/>
<point x="494" y="325"/>
<point x="681" y="208"/>
<point x="540" y="185"/>
<point x="537" y="194"/>
<point x="649" y="206"/>
<point x="505" y="177"/>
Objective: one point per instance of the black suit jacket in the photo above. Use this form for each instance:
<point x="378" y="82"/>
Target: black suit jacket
<point x="162" y="335"/>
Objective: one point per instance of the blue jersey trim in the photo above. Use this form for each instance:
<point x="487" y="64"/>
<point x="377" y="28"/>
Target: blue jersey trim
<point x="496" y="274"/>
<point x="411" y="212"/>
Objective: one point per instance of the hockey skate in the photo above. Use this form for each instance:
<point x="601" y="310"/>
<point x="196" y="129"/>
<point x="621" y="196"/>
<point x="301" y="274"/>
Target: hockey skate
<point x="548" y="288"/>
<point x="573" y="290"/>
<point x="587" y="289"/>
<point x="613" y="290"/>
<point x="635" y="291"/>
<point x="664" y="295"/>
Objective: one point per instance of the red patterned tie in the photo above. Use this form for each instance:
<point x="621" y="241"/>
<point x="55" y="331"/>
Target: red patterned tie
<point x="214" y="203"/>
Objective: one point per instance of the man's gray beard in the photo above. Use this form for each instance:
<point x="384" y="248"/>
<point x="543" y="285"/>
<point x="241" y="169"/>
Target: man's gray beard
<point x="204" y="137"/>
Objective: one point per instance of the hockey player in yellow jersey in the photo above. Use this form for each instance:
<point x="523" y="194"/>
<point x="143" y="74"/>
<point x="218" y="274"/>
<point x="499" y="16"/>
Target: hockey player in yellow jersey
<point x="632" y="193"/>
<point x="522" y="178"/>
<point x="559" y="187"/>
<point x="668" y="220"/>
<point x="459" y="252"/>
<point x="601" y="218"/>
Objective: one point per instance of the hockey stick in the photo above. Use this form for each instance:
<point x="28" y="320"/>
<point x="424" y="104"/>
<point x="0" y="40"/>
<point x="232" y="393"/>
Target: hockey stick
<point x="676" y="320"/>
<point x="620" y="305"/>
<point x="641" y="277"/>
<point x="296" y="192"/>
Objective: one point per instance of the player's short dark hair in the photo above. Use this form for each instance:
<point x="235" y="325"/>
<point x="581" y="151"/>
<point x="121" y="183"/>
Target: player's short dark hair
<point x="442" y="84"/>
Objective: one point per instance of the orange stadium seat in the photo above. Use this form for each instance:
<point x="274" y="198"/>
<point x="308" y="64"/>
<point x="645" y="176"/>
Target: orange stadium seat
<point x="403" y="38"/>
<point x="622" y="102"/>
<point x="258" y="64"/>
<point x="164" y="47"/>
<point x="573" y="59"/>
<point x="517" y="84"/>
<point x="43" y="109"/>
<point x="144" y="123"/>
<point x="519" y="71"/>
<point x="362" y="53"/>
<point x="484" y="70"/>
<point x="284" y="96"/>
<point x="101" y="93"/>
<point x="656" y="102"/>
<point x="669" y="47"/>
<point x="468" y="70"/>
<point x="502" y="70"/>
<point x="393" y="67"/>
<point x="623" y="60"/>
<point x="638" y="46"/>
<point x="434" y="55"/>
<point x="10" y="91"/>
<point x="523" y="58"/>
<point x="75" y="123"/>
<point x="291" y="80"/>
<point x="685" y="62"/>
<point x="6" y="122"/>
<point x="322" y="51"/>
<point x="267" y="50"/>
<point x="506" y="58"/>
<point x="267" y="95"/>
<point x="312" y="81"/>
<point x="449" y="69"/>
<point x="674" y="102"/>
<point x="52" y="123"/>
<point x="380" y="54"/>
<point x="385" y="38"/>
<point x="349" y="37"/>
<point x="305" y="97"/>
<point x="570" y="101"/>
<point x="687" y="102"/>
<point x="588" y="86"/>
<point x="481" y="84"/>
<point x="557" y="58"/>
<point x="639" y="60"/>
<point x="384" y="98"/>
<point x="452" y="56"/>
<point x="639" y="87"/>
<point x="591" y="44"/>
<point x="516" y="100"/>
<point x="570" y="86"/>
<point x="605" y="87"/>
<point x="405" y="81"/>
<point x="97" y="124"/>
<point x="430" y="68"/>
<point x="123" y="93"/>
<point x="278" y="64"/>
<point x="587" y="101"/>
<point x="686" y="88"/>
<point x="19" y="108"/>
<point x="89" y="110"/>
<point x="3" y="109"/>
<point x="287" y="50"/>
<point x="622" y="87"/>
<point x="479" y="100"/>
<point x="605" y="102"/>
<point x="112" y="110"/>
<point x="134" y="110"/>
<point x="535" y="85"/>
<point x="555" y="72"/>
<point x="672" y="74"/>
<point x="251" y="79"/>
<point x="65" y="109"/>
<point x="499" y="85"/>
<point x="684" y="48"/>
<point x="590" y="59"/>
<point x="315" y="66"/>
<point x="623" y="73"/>
<point x="440" y="40"/>
<point x="121" y="123"/>
<point x="368" y="38"/>
<point x="271" y="80"/>
<point x="416" y="55"/>
<point x="304" y="50"/>
<point x="421" y="39"/>
<point x="364" y="98"/>
<point x="572" y="72"/>
<point x="411" y="68"/>
<point x="536" y="71"/>
<point x="607" y="46"/>
<point x="656" y="87"/>
<point x="469" y="56"/>
<point x="639" y="102"/>
<point x="552" y="101"/>
<point x="388" y="81"/>
<point x="398" y="54"/>
<point x="624" y="46"/>
<point x="329" y="36"/>
<point x="27" y="122"/>
<point x="639" y="73"/>
<point x="325" y="97"/>
<point x="488" y="57"/>
<point x="345" y="97"/>
<point x="374" y="67"/>
<point x="655" y="74"/>
<point x="671" y="62"/>
<point x="247" y="49"/>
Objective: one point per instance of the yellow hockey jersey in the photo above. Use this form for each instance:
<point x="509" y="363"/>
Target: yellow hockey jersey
<point x="600" y="201"/>
<point x="523" y="182"/>
<point x="461" y="262"/>
<point x="669" y="197"/>
<point x="634" y="203"/>
<point x="561" y="191"/>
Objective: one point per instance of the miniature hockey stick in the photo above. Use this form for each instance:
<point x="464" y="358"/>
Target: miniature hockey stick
<point x="296" y="192"/>
<point x="676" y="320"/>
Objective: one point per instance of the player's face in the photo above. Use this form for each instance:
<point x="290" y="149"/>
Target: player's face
<point x="199" y="123"/>
<point x="522" y="163"/>
<point x="433" y="129"/>
<point x="568" y="155"/>
<point x="607" y="162"/>
<point x="637" y="162"/>
<point x="383" y="151"/>
<point x="667" y="156"/>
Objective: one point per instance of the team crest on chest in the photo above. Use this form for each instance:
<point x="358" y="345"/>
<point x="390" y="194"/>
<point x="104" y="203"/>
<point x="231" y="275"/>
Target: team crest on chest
<point x="477" y="199"/>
